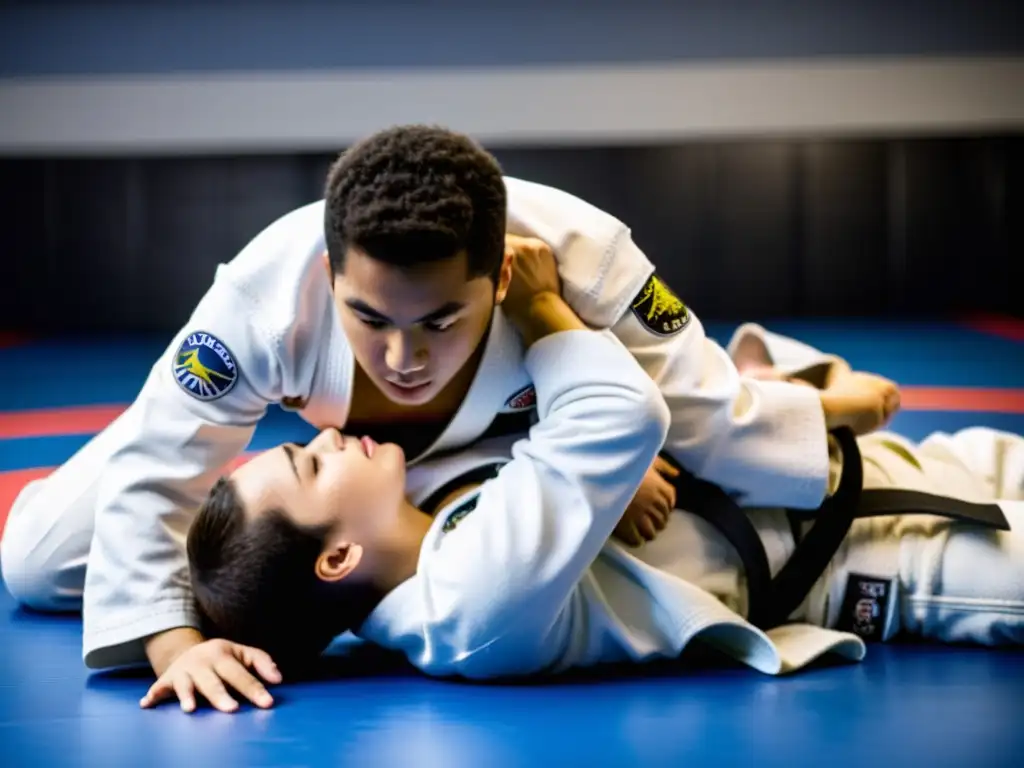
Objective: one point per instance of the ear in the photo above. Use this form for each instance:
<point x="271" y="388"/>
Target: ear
<point x="505" y="275"/>
<point x="327" y="267"/>
<point x="338" y="561"/>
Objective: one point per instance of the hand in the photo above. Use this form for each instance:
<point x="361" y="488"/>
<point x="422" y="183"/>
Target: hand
<point x="863" y="402"/>
<point x="648" y="513"/>
<point x="204" y="669"/>
<point x="534" y="272"/>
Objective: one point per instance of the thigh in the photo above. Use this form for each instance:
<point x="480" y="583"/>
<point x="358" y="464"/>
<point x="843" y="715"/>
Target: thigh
<point x="46" y="540"/>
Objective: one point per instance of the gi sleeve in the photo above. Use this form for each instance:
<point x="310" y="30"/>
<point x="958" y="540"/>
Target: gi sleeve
<point x="499" y="589"/>
<point x="197" y="411"/>
<point x="764" y="442"/>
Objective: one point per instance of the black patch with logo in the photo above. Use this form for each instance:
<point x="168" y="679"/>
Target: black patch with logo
<point x="865" y="607"/>
<point x="456" y="515"/>
<point x="477" y="476"/>
<point x="659" y="310"/>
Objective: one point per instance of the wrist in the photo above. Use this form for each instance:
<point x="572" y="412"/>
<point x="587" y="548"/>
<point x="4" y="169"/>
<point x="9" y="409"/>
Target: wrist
<point x="836" y="415"/>
<point x="520" y="310"/>
<point x="163" y="648"/>
<point x="545" y="314"/>
<point x="837" y="370"/>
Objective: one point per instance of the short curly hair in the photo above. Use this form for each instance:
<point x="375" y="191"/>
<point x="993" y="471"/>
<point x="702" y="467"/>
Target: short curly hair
<point x="416" y="194"/>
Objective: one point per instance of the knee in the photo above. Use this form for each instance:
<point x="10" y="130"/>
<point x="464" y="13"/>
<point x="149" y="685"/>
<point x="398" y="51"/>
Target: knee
<point x="35" y="575"/>
<point x="27" y="584"/>
<point x="36" y="581"/>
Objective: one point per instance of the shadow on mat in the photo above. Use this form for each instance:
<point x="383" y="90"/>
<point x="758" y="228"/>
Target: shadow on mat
<point x="362" y="661"/>
<point x="359" y="661"/>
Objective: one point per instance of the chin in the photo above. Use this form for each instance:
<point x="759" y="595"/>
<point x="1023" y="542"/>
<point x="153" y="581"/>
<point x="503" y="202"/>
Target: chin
<point x="399" y="452"/>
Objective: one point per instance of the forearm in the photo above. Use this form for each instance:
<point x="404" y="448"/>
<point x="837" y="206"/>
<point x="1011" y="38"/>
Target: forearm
<point x="546" y="314"/>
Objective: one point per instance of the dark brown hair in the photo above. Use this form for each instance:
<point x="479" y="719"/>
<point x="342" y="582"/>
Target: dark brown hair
<point x="415" y="194"/>
<point x="255" y="583"/>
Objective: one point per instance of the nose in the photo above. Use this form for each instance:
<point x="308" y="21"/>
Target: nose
<point x="405" y="353"/>
<point x="328" y="440"/>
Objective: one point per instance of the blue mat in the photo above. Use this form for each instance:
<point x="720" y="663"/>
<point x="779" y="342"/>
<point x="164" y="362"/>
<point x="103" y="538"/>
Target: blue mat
<point x="905" y="705"/>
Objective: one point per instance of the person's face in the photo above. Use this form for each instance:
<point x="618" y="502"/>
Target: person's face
<point x="412" y="330"/>
<point x="349" y="485"/>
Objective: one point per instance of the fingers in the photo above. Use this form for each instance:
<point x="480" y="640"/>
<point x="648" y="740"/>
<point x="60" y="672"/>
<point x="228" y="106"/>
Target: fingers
<point x="645" y="527"/>
<point x="254" y="658"/>
<point x="160" y="691"/>
<point x="659" y="519"/>
<point x="659" y="510"/>
<point x="185" y="690"/>
<point x="892" y="402"/>
<point x="239" y="678"/>
<point x="664" y="468"/>
<point x="212" y="688"/>
<point x="627" y="533"/>
<point x="645" y="524"/>
<point x="180" y="685"/>
<point x="665" y="492"/>
<point x="670" y="498"/>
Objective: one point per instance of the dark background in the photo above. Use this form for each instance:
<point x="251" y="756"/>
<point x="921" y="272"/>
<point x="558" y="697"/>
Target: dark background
<point x="742" y="228"/>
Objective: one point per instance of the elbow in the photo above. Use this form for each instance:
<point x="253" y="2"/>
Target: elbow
<point x="660" y="418"/>
<point x="652" y="412"/>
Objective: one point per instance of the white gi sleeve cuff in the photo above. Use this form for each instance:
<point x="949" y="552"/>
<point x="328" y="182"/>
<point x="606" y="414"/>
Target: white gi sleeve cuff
<point x="785" y="447"/>
<point x="120" y="643"/>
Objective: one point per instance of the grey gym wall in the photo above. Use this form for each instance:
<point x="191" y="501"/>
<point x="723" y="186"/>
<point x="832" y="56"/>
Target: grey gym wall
<point x="122" y="185"/>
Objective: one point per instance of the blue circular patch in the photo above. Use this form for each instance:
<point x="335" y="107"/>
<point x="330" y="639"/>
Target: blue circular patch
<point x="204" y="366"/>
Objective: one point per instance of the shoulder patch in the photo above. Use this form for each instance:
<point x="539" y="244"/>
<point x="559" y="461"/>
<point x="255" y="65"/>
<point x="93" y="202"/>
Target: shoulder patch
<point x="204" y="367"/>
<point x="522" y="400"/>
<point x="659" y="309"/>
<point x="456" y="515"/>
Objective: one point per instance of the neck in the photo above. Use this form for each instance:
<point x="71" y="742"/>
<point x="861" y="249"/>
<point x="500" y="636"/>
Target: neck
<point x="399" y="553"/>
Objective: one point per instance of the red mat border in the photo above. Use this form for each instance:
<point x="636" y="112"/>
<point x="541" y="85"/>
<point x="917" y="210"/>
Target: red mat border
<point x="1004" y="327"/>
<point x="88" y="420"/>
<point x="12" y="481"/>
<point x="55" y="422"/>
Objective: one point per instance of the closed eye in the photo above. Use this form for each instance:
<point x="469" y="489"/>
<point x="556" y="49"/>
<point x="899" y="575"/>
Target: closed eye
<point x="372" y="323"/>
<point x="440" y="326"/>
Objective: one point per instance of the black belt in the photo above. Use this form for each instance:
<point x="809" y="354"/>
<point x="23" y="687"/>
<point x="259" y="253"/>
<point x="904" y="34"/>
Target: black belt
<point x="772" y="600"/>
<point x="476" y="476"/>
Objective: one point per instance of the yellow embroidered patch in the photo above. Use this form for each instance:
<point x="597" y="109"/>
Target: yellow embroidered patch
<point x="659" y="309"/>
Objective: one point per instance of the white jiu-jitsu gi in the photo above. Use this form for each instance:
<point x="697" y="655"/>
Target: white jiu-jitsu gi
<point x="518" y="576"/>
<point x="267" y="333"/>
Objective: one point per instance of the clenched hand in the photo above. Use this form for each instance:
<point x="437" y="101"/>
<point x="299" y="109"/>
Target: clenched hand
<point x="654" y="501"/>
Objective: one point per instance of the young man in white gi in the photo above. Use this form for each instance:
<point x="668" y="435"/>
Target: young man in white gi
<point x="375" y="310"/>
<point x="518" y="575"/>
